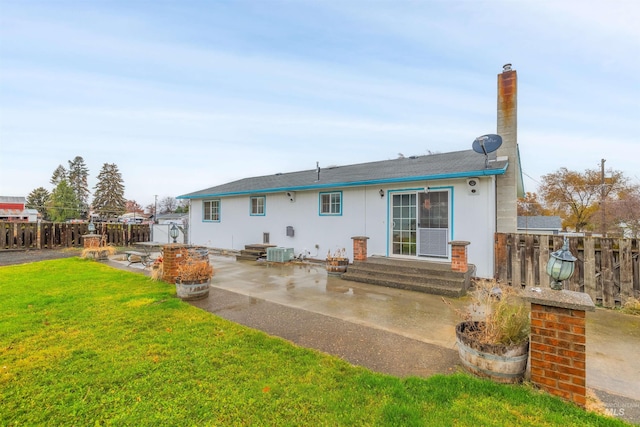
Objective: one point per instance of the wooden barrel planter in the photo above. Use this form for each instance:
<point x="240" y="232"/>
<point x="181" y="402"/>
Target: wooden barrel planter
<point x="337" y="266"/>
<point x="498" y="362"/>
<point x="193" y="290"/>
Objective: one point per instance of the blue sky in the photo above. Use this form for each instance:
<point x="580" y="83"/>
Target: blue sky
<point x="184" y="95"/>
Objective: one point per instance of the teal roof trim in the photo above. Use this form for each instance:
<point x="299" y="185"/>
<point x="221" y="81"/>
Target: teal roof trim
<point x="322" y="186"/>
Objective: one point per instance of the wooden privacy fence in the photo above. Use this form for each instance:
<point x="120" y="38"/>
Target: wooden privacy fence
<point x="49" y="235"/>
<point x="607" y="269"/>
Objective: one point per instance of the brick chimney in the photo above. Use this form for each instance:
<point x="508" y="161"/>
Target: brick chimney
<point x="507" y="184"/>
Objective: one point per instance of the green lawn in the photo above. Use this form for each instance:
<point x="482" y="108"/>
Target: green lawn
<point x="84" y="344"/>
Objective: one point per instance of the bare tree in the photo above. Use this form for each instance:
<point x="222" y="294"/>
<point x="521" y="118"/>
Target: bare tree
<point x="168" y="205"/>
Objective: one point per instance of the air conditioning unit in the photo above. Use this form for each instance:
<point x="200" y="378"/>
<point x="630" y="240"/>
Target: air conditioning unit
<point x="473" y="185"/>
<point x="279" y="254"/>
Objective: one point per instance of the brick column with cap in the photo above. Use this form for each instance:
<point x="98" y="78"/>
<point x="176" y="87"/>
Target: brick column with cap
<point x="360" y="248"/>
<point x="91" y="241"/>
<point x="172" y="256"/>
<point x="459" y="256"/>
<point x="558" y="342"/>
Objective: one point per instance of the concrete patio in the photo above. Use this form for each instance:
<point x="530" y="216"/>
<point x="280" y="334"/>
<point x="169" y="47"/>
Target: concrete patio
<point x="396" y="331"/>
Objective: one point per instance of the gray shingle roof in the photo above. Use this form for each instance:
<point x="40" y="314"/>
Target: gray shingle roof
<point x="540" y="222"/>
<point x="457" y="164"/>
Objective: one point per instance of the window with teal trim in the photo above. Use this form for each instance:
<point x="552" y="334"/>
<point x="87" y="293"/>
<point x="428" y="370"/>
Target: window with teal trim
<point x="257" y="205"/>
<point x="211" y="210"/>
<point x="331" y="203"/>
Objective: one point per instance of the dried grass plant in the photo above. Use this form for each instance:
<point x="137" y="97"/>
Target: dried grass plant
<point x="502" y="316"/>
<point x="194" y="268"/>
<point x="157" y="269"/>
<point x="631" y="306"/>
<point x="96" y="250"/>
<point x="338" y="255"/>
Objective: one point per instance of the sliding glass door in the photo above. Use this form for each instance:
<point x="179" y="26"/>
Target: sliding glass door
<point x="420" y="224"/>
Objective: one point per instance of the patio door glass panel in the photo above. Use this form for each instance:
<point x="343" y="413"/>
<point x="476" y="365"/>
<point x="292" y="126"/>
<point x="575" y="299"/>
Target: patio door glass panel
<point x="403" y="233"/>
<point x="433" y="225"/>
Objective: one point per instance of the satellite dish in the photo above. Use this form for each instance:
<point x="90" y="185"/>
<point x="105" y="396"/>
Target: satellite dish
<point x="486" y="144"/>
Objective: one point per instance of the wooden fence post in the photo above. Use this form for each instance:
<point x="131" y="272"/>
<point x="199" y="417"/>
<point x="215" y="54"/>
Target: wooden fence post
<point x="606" y="263"/>
<point x="573" y="283"/>
<point x="500" y="257"/>
<point x="626" y="270"/>
<point x="516" y="262"/>
<point x="543" y="260"/>
<point x="528" y="257"/>
<point x="590" y="268"/>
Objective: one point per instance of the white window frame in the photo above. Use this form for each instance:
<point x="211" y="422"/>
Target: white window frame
<point x="334" y="206"/>
<point x="258" y="211"/>
<point x="211" y="210"/>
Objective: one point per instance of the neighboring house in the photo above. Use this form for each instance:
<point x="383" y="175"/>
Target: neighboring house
<point x="407" y="207"/>
<point x="539" y="224"/>
<point x="132" y="218"/>
<point x="14" y="209"/>
<point x="173" y="218"/>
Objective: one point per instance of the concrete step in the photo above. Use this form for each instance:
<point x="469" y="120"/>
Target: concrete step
<point x="247" y="257"/>
<point x="253" y="252"/>
<point x="424" y="277"/>
<point x="415" y="275"/>
<point x="258" y="247"/>
<point x="449" y="290"/>
<point x="409" y="266"/>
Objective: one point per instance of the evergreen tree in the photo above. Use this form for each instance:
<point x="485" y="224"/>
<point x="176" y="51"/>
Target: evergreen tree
<point x="58" y="175"/>
<point x="38" y="200"/>
<point x="108" y="198"/>
<point x="77" y="176"/>
<point x="63" y="204"/>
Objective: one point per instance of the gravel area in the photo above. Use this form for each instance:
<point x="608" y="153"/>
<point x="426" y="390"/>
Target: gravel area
<point x="11" y="257"/>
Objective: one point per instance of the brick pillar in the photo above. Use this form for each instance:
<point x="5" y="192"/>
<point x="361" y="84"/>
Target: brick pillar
<point x="558" y="342"/>
<point x="172" y="256"/>
<point x="459" y="256"/>
<point x="360" y="248"/>
<point x="91" y="241"/>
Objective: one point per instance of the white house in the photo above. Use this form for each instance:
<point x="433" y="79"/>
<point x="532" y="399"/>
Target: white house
<point x="539" y="224"/>
<point x="407" y="207"/>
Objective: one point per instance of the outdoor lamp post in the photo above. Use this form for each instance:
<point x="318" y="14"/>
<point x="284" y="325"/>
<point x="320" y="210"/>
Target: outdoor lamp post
<point x="560" y="266"/>
<point x="92" y="227"/>
<point x="174" y="232"/>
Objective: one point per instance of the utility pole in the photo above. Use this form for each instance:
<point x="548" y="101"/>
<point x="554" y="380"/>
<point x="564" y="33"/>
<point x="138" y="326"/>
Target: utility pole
<point x="602" y="196"/>
<point x="155" y="215"/>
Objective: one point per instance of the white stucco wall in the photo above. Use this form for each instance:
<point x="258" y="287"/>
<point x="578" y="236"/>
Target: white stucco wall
<point x="364" y="213"/>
